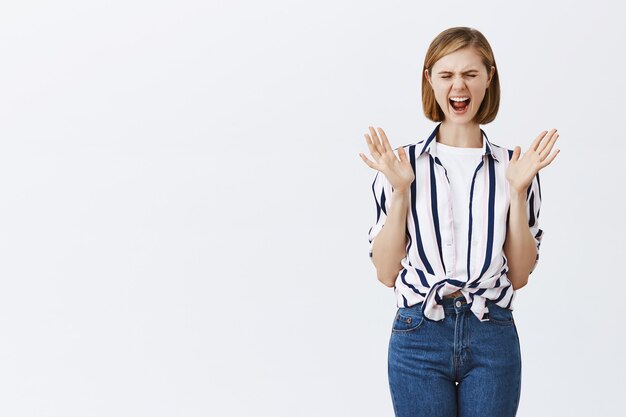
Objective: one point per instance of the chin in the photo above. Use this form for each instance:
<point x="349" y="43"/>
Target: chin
<point x="462" y="119"/>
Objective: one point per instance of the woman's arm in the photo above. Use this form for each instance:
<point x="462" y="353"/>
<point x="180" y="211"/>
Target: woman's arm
<point x="391" y="190"/>
<point x="519" y="247"/>
<point x="523" y="235"/>
<point x="389" y="246"/>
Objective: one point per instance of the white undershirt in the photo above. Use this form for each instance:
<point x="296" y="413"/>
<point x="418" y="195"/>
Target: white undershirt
<point x="460" y="164"/>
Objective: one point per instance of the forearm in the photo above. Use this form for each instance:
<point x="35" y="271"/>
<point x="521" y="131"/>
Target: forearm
<point x="519" y="246"/>
<point x="389" y="246"/>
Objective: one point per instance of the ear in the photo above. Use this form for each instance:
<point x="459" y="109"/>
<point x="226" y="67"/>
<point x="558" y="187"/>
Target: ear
<point x="427" y="75"/>
<point x="493" y="71"/>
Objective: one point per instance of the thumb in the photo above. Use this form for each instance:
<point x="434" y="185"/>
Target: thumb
<point x="402" y="154"/>
<point x="516" y="153"/>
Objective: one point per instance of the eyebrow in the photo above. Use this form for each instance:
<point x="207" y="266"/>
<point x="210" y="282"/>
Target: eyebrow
<point x="464" y="72"/>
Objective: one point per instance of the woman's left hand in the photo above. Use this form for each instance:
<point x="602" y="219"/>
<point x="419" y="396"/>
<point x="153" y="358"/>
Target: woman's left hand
<point x="521" y="172"/>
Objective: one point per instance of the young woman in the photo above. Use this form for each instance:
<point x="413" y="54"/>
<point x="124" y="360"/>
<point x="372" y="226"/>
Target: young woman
<point x="456" y="233"/>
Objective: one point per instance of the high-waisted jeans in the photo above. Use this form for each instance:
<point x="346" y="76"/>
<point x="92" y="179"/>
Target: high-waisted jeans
<point x="457" y="367"/>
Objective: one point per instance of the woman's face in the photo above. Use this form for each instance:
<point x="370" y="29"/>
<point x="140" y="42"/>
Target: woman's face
<point x="460" y="74"/>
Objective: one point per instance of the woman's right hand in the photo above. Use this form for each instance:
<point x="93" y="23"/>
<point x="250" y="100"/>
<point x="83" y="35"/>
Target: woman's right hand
<point x="398" y="172"/>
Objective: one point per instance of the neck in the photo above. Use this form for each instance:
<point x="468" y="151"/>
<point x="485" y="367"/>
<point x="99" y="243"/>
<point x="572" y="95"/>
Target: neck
<point x="466" y="135"/>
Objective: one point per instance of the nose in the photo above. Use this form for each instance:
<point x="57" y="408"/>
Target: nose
<point x="458" y="83"/>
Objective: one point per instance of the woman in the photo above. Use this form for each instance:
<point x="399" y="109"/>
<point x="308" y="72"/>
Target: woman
<point x="456" y="234"/>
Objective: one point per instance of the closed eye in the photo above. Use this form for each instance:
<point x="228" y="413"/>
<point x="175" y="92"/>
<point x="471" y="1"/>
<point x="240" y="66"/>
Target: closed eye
<point x="447" y="76"/>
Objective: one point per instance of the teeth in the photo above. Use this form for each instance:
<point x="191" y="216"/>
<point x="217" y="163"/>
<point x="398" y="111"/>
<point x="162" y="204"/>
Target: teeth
<point x="459" y="98"/>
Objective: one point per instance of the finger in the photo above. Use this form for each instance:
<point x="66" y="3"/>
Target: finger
<point x="367" y="161"/>
<point x="550" y="158"/>
<point x="545" y="142"/>
<point x="371" y="146"/>
<point x="368" y="141"/>
<point x="533" y="146"/>
<point x="376" y="140"/>
<point x="386" y="143"/>
<point x="376" y="148"/>
<point x="545" y="151"/>
<point x="402" y="155"/>
<point x="516" y="153"/>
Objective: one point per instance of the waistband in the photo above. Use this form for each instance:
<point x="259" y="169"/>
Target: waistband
<point x="456" y="304"/>
<point x="450" y="305"/>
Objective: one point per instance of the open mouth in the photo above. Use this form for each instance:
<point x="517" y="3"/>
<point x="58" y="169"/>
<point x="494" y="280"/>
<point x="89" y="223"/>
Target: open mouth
<point x="459" y="106"/>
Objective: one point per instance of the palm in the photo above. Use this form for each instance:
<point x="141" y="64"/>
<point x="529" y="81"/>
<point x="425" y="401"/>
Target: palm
<point x="520" y="172"/>
<point x="399" y="172"/>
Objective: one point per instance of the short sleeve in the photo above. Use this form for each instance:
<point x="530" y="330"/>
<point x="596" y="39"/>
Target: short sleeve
<point x="382" y="190"/>
<point x="533" y="204"/>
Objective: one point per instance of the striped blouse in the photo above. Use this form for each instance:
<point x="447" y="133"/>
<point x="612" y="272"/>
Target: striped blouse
<point x="428" y="267"/>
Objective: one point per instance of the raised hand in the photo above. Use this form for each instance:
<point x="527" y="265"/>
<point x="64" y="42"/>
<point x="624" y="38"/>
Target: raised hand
<point x="521" y="172"/>
<point x="399" y="172"/>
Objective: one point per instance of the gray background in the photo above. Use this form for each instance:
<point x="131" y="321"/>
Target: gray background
<point x="184" y="214"/>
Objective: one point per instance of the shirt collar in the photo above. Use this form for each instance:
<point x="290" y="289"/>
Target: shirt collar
<point x="430" y="145"/>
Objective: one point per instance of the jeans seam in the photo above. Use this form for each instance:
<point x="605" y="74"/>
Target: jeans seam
<point x="393" y="398"/>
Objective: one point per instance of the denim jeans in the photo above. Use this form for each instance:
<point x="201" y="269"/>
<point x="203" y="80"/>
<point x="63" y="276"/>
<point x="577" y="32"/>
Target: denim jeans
<point x="457" y="367"/>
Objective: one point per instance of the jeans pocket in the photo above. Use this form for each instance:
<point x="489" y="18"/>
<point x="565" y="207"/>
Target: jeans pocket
<point x="408" y="319"/>
<point x="499" y="315"/>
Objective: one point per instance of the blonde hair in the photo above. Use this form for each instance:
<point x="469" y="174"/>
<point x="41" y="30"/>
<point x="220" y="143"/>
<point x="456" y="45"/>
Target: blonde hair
<point x="451" y="40"/>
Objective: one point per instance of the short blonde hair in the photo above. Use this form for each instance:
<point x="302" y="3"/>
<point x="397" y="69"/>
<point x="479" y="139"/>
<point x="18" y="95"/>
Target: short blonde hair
<point x="451" y="40"/>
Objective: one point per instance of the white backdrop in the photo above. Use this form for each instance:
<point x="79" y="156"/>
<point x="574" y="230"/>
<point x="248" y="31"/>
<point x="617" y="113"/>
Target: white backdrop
<point x="184" y="214"/>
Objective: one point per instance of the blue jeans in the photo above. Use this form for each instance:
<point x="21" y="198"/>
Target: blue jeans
<point x="457" y="367"/>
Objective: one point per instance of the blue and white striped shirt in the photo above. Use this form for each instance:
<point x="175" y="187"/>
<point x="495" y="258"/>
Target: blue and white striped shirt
<point x="428" y="267"/>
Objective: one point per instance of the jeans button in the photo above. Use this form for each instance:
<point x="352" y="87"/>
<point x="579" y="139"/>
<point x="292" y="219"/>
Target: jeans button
<point x="458" y="304"/>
